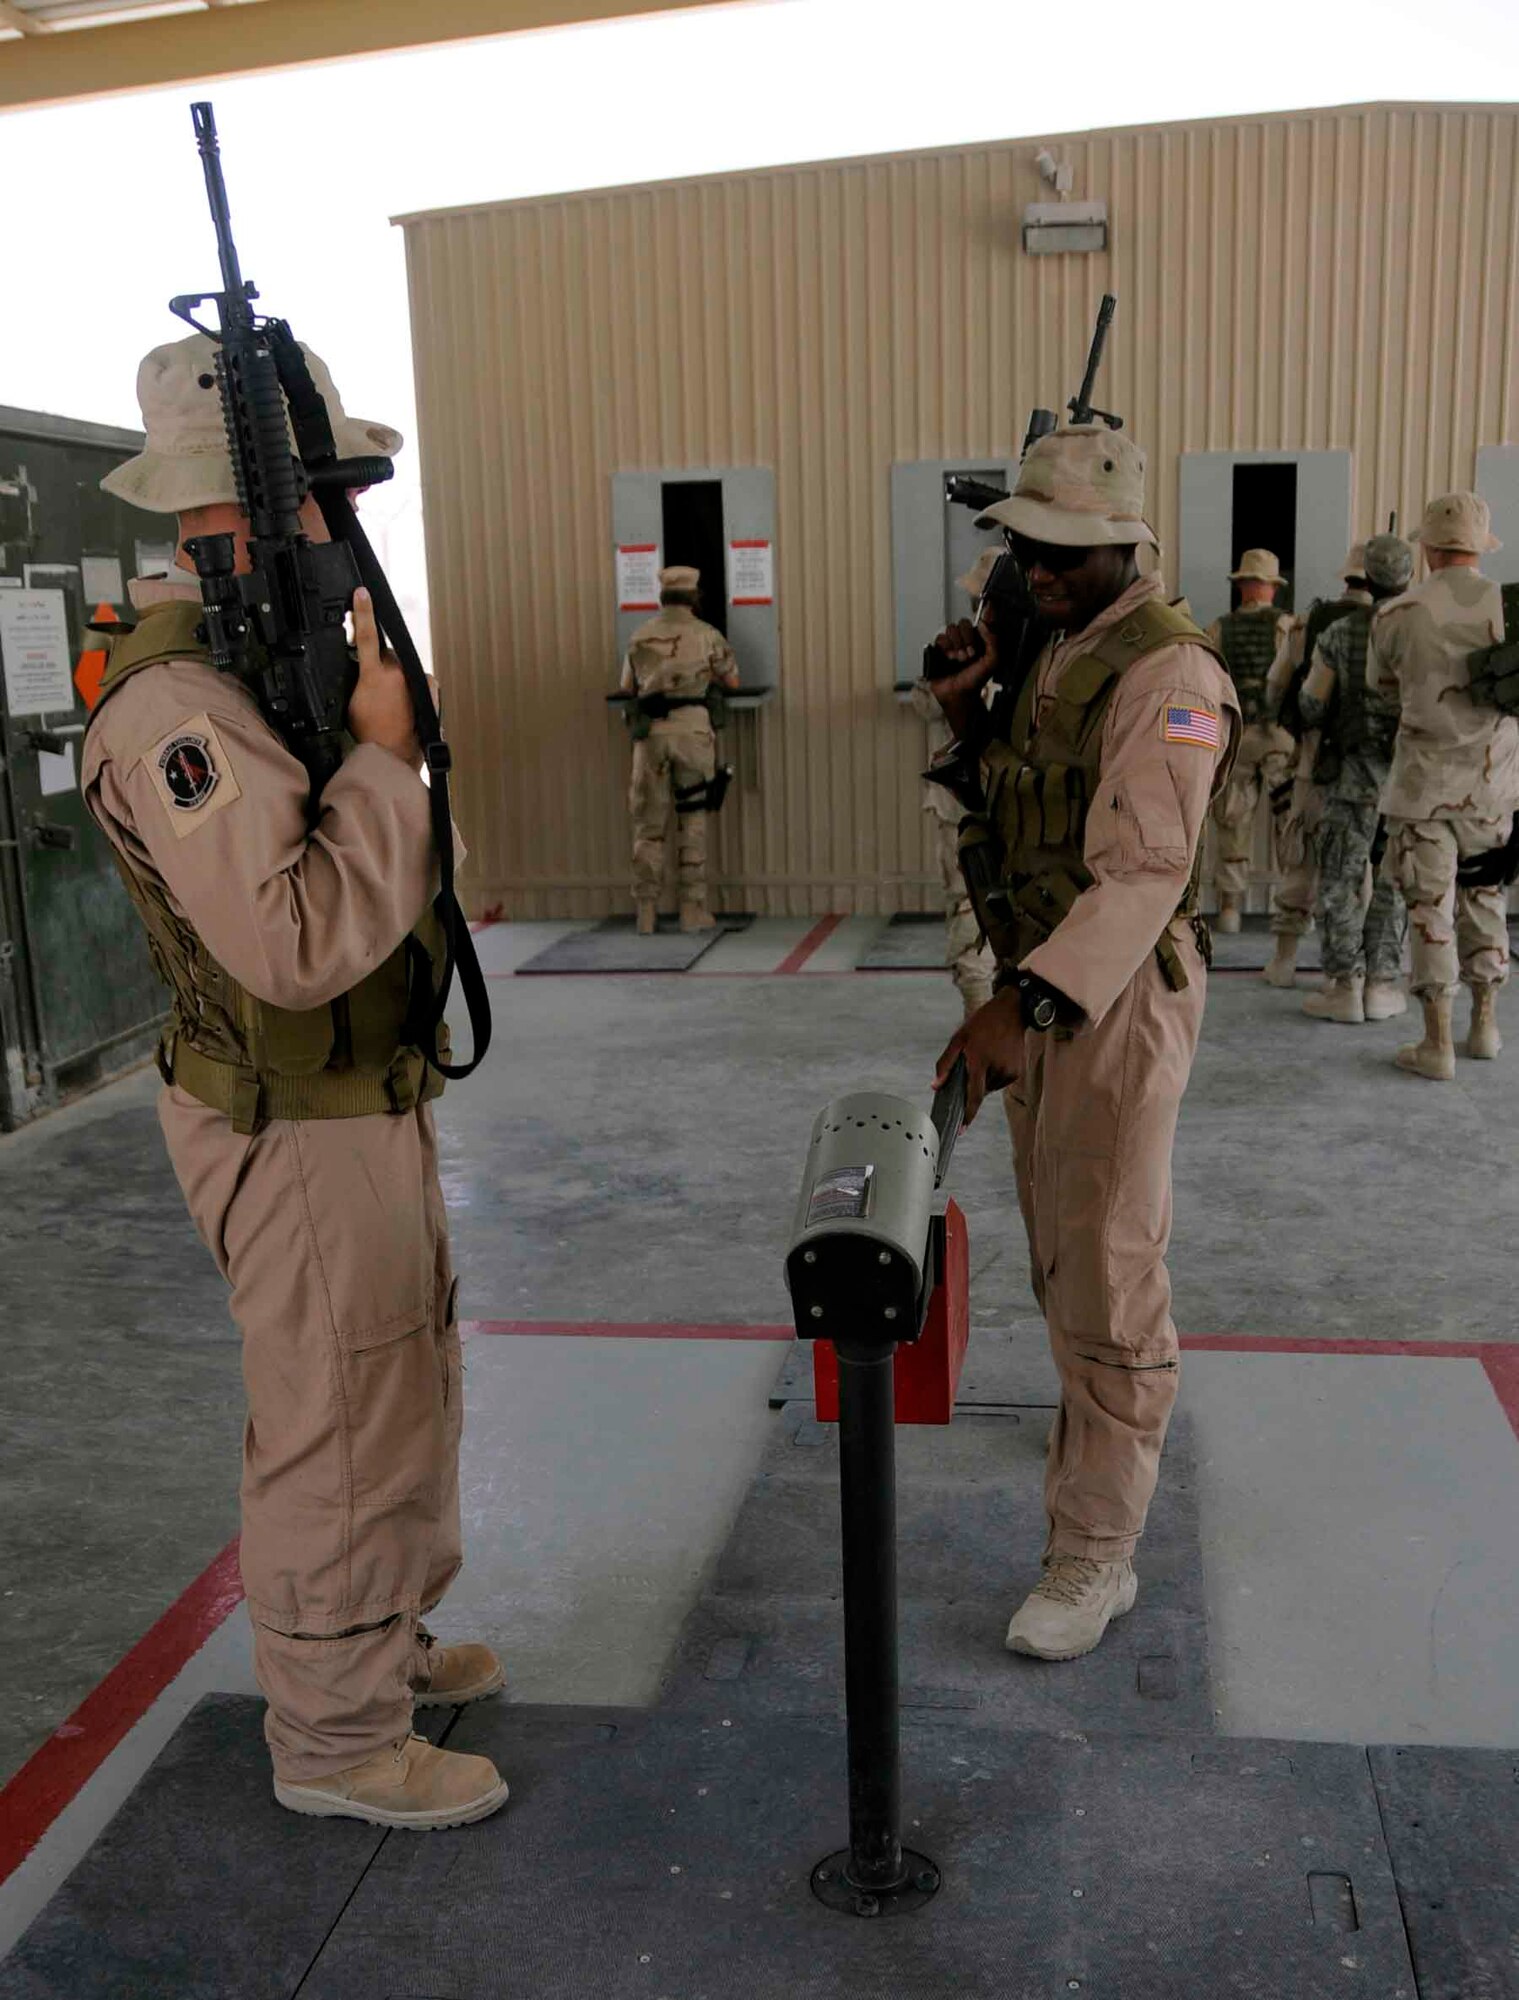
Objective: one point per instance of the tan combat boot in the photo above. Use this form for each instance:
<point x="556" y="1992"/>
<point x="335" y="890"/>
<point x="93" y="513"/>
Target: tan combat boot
<point x="1482" y="1038"/>
<point x="1338" y="1000"/>
<point x="457" y="1674"/>
<point x="1435" y="1056"/>
<point x="407" y="1784"/>
<point x="1282" y="970"/>
<point x="695" y="916"/>
<point x="1385" y="1000"/>
<point x="1071" y="1606"/>
<point x="648" y="916"/>
<point x="1228" y="918"/>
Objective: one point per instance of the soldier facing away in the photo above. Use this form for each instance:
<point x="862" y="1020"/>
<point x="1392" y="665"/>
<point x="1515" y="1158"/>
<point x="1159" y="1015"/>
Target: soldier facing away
<point x="1454" y="781"/>
<point x="298" y="1123"/>
<point x="1248" y="640"/>
<point x="1100" y="767"/>
<point x="1362" y="935"/>
<point x="970" y="960"/>
<point x="1297" y="836"/>
<point x="672" y="664"/>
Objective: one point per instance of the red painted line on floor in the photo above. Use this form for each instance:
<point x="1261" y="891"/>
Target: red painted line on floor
<point x="591" y="1329"/>
<point x="77" y="1748"/>
<point x="1261" y="1343"/>
<point x="1502" y="1365"/>
<point x="820" y="933"/>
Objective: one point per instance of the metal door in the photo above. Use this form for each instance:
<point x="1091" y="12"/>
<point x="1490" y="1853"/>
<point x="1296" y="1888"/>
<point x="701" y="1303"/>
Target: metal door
<point x="933" y="541"/>
<point x="77" y="993"/>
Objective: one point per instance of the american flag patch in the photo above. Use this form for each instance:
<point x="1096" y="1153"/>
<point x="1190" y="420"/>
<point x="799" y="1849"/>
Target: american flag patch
<point x="1190" y="725"/>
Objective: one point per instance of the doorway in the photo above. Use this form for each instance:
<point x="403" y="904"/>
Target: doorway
<point x="1264" y="516"/>
<point x="692" y="511"/>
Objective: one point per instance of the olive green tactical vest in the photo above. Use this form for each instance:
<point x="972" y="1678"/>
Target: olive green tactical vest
<point x="239" y="1054"/>
<point x="1357" y="724"/>
<point x="1024" y="859"/>
<point x="1247" y="640"/>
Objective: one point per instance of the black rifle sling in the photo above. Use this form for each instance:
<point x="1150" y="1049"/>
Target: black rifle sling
<point x="426" y="1008"/>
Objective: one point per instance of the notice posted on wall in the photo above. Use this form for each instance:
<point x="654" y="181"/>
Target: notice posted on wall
<point x="55" y="771"/>
<point x="638" y="576"/>
<point x="34" y="651"/>
<point x="102" y="580"/>
<point x="751" y="573"/>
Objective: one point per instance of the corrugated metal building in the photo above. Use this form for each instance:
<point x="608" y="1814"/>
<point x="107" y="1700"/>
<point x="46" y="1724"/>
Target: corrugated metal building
<point x="1316" y="326"/>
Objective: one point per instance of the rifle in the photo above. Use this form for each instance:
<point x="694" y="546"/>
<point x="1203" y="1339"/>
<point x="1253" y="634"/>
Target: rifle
<point x="965" y="491"/>
<point x="1080" y="405"/>
<point x="279" y="628"/>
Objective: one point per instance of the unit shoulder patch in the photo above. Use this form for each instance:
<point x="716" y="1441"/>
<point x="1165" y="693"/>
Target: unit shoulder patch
<point x="192" y="774"/>
<point x="1182" y="722"/>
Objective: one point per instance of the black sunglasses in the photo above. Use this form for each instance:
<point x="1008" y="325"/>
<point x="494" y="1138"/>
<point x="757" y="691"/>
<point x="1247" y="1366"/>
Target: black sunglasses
<point x="1050" y="557"/>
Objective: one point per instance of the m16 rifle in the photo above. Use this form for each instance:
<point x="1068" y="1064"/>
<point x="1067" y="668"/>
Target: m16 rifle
<point x="279" y="626"/>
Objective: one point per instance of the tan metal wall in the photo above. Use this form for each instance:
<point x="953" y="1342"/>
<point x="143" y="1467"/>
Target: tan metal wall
<point x="1302" y="281"/>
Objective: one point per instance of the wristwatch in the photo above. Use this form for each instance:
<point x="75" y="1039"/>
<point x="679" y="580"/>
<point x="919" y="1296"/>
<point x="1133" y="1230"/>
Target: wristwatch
<point x="1044" y="1006"/>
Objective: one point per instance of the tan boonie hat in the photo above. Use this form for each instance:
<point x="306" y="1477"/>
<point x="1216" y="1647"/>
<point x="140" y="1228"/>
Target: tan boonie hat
<point x="679" y="578"/>
<point x="185" y="462"/>
<point x="1355" y="562"/>
<point x="1082" y="487"/>
<point x="1257" y="566"/>
<point x="973" y="582"/>
<point x="1459" y="521"/>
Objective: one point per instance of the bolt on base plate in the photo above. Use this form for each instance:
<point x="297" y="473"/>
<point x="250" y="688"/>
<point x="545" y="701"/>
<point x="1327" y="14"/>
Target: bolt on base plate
<point x="831" y="1885"/>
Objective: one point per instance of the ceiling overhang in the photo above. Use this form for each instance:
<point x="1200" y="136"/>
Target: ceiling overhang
<point x="55" y="50"/>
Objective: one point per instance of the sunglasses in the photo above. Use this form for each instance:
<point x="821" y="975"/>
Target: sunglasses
<point x="1051" y="558"/>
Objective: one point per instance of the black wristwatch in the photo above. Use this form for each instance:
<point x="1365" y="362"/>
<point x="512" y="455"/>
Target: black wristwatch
<point x="1044" y="1006"/>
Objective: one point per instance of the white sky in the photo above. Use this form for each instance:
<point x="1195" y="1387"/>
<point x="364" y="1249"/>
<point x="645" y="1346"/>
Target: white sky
<point x="107" y="215"/>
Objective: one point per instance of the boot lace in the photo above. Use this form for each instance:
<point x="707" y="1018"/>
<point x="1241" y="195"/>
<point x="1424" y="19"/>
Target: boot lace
<point x="1068" y="1579"/>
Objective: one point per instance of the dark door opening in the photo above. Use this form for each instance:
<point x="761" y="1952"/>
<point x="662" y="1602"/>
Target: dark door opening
<point x="692" y="512"/>
<point x="1265" y="517"/>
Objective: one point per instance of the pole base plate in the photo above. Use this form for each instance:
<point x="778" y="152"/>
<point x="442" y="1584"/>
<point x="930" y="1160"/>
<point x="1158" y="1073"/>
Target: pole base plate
<point x="832" y="1886"/>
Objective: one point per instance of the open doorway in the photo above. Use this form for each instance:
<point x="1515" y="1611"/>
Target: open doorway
<point x="1265" y="517"/>
<point x="692" y="511"/>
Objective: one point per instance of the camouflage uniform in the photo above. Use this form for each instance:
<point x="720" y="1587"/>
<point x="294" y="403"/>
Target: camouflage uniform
<point x="1264" y="765"/>
<point x="1360" y="938"/>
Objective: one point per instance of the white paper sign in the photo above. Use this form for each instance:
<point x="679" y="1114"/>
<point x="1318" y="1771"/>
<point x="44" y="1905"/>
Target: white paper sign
<point x="153" y="558"/>
<point x="34" y="649"/>
<point x="102" y="580"/>
<point x="751" y="573"/>
<point x="638" y="576"/>
<point x="55" y="771"/>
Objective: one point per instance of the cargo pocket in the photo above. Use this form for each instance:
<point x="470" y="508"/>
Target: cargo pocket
<point x="1151" y="831"/>
<point x="396" y="1414"/>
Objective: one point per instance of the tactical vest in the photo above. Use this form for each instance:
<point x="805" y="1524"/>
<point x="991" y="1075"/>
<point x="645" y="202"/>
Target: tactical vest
<point x="1023" y="859"/>
<point x="239" y="1054"/>
<point x="1357" y="724"/>
<point x="1248" y="640"/>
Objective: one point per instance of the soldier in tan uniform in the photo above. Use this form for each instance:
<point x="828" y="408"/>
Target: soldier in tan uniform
<point x="1249" y="640"/>
<point x="970" y="960"/>
<point x="1099" y="773"/>
<point x="672" y="662"/>
<point x="1454" y="782"/>
<point x="298" y="1123"/>
<point x="1297" y="837"/>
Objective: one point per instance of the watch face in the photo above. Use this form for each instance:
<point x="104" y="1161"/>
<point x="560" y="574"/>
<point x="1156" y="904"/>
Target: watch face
<point x="1044" y="1012"/>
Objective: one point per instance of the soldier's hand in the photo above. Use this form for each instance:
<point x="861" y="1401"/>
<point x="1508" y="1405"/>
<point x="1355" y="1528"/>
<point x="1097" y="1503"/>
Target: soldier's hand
<point x="974" y="651"/>
<point x="992" y="1043"/>
<point x="380" y="710"/>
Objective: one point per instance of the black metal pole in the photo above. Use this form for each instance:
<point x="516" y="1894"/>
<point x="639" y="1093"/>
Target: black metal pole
<point x="868" y="1516"/>
<point x="875" y="1874"/>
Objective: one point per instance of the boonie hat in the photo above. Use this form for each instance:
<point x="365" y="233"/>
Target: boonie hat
<point x="1459" y="521"/>
<point x="185" y="462"/>
<point x="679" y="578"/>
<point x="1389" y="562"/>
<point x="1355" y="562"/>
<point x="1257" y="566"/>
<point x="973" y="582"/>
<point x="1082" y="487"/>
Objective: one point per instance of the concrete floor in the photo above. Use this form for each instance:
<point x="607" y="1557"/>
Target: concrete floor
<point x="629" y="1155"/>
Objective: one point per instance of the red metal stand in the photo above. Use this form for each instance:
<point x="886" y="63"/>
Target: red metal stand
<point x="927" y="1373"/>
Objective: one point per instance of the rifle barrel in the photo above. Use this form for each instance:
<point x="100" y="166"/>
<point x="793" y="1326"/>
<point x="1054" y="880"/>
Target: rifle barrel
<point x="235" y="309"/>
<point x="1082" y="409"/>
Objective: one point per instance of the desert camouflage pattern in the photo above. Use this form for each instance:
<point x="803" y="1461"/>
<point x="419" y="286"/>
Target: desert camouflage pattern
<point x="675" y="755"/>
<point x="1263" y="769"/>
<point x="972" y="963"/>
<point x="1456" y="935"/>
<point x="677" y="654"/>
<point x="1453" y="760"/>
